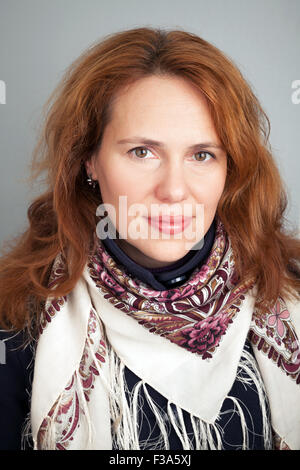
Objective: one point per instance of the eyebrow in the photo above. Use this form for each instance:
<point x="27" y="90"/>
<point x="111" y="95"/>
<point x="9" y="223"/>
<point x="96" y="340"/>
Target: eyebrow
<point x="146" y="141"/>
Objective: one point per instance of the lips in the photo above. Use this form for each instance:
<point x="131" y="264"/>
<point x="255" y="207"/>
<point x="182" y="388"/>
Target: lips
<point x="170" y="219"/>
<point x="170" y="224"/>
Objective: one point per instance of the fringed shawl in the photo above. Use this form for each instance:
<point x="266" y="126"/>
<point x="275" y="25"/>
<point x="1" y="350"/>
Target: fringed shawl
<point x="186" y="342"/>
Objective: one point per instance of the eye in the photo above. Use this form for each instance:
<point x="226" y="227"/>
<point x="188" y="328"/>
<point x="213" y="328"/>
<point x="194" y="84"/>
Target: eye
<point x="138" y="153"/>
<point x="202" y="156"/>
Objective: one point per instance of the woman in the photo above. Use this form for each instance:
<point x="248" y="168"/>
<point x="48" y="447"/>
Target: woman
<point x="180" y="329"/>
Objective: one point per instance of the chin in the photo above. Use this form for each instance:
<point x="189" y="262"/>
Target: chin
<point x="166" y="253"/>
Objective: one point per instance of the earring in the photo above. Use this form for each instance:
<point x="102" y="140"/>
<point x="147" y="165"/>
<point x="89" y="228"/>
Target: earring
<point x="91" y="182"/>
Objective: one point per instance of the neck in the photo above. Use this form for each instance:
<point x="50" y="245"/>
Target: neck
<point x="167" y="274"/>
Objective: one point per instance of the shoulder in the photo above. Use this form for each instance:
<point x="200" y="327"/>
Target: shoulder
<point x="16" y="357"/>
<point x="16" y="371"/>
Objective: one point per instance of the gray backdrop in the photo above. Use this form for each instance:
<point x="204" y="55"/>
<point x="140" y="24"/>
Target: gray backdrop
<point x="40" y="38"/>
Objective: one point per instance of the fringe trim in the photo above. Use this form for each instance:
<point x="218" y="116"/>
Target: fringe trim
<point x="249" y="366"/>
<point x="26" y="434"/>
<point x="125" y="406"/>
<point x="125" y="426"/>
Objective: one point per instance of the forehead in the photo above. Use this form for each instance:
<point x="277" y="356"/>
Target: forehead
<point x="160" y="102"/>
<point x="160" y="91"/>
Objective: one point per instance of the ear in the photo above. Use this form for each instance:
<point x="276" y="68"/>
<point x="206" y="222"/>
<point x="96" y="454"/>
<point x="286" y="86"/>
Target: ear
<point x="90" y="169"/>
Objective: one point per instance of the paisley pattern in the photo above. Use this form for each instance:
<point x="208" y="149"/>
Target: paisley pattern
<point x="52" y="306"/>
<point x="67" y="409"/>
<point x="194" y="315"/>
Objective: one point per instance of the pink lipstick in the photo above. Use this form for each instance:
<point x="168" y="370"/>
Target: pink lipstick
<point x="170" y="224"/>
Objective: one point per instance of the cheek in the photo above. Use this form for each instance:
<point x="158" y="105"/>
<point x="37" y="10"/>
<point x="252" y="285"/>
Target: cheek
<point x="121" y="183"/>
<point x="112" y="182"/>
<point x="210" y="188"/>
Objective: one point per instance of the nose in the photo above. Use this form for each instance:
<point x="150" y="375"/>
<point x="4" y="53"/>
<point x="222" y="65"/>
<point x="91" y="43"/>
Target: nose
<point x="172" y="185"/>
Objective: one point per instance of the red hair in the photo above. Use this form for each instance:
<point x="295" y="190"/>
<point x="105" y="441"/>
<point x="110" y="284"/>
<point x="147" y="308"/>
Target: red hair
<point x="63" y="218"/>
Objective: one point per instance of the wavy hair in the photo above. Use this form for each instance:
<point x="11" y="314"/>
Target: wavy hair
<point x="63" y="218"/>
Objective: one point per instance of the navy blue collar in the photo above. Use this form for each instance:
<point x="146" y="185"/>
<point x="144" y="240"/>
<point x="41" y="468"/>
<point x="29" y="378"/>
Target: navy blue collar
<point x="169" y="276"/>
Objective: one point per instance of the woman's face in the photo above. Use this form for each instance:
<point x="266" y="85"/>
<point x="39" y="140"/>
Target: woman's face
<point x="182" y="173"/>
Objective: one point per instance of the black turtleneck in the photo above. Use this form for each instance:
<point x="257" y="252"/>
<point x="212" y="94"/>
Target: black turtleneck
<point x="169" y="276"/>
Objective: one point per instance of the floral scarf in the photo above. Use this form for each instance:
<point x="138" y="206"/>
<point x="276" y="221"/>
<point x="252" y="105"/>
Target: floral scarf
<point x="112" y="320"/>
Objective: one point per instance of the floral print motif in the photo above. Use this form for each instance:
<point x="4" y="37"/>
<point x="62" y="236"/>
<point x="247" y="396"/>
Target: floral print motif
<point x="53" y="306"/>
<point x="66" y="410"/>
<point x="276" y="318"/>
<point x="194" y="315"/>
<point x="273" y="334"/>
<point x="111" y="283"/>
<point x="205" y="335"/>
<point x="67" y="404"/>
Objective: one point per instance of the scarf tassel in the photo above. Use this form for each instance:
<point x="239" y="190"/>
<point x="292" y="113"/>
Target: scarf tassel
<point x="126" y="405"/>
